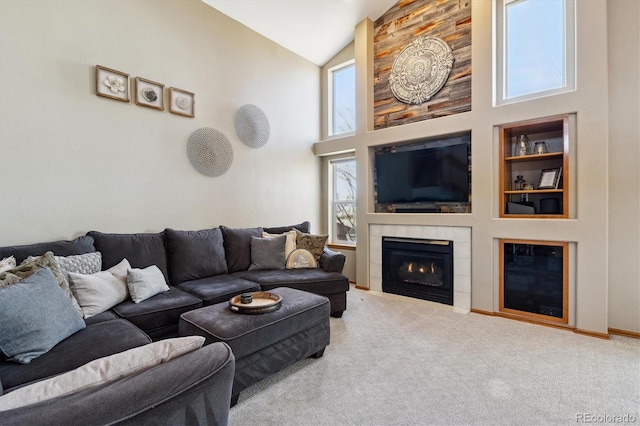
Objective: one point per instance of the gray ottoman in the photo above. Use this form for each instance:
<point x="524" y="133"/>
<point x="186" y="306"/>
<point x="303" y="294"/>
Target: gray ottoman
<point x="266" y="343"/>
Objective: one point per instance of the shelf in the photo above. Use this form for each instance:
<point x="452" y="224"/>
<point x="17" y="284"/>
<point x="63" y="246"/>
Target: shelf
<point x="533" y="157"/>
<point x="535" y="191"/>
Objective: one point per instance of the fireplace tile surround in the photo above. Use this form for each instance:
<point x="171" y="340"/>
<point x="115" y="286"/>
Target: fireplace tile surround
<point x="461" y="237"/>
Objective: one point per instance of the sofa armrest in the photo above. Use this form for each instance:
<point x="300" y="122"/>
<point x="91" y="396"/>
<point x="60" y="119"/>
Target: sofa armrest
<point x="331" y="261"/>
<point x="194" y="386"/>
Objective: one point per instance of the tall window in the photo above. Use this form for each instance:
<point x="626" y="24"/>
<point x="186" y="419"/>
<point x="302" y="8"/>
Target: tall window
<point x="342" y="99"/>
<point x="535" y="48"/>
<point x="343" y="201"/>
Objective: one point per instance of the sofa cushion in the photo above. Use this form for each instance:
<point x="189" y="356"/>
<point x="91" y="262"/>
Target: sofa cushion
<point x="95" y="341"/>
<point x="302" y="227"/>
<point x="267" y="253"/>
<point x="101" y="291"/>
<point x="104" y="316"/>
<point x="158" y="312"/>
<point x="29" y="268"/>
<point x="102" y="370"/>
<point x="313" y="243"/>
<point x="145" y="283"/>
<point x="80" y="245"/>
<point x="141" y="250"/>
<point x="194" y="254"/>
<point x="35" y="315"/>
<point x="219" y="288"/>
<point x="312" y="280"/>
<point x="237" y="247"/>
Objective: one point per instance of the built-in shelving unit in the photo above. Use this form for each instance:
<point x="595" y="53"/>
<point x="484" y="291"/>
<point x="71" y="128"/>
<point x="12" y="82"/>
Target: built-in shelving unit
<point x="535" y="169"/>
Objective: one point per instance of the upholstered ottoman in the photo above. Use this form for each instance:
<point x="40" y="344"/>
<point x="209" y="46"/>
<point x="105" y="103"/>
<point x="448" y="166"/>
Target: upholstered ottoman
<point x="264" y="344"/>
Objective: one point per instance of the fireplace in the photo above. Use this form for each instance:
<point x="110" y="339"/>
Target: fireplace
<point x="418" y="268"/>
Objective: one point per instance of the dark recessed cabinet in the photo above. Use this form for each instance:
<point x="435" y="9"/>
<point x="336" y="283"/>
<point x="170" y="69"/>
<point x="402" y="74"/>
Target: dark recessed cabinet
<point x="534" y="280"/>
<point x="534" y="165"/>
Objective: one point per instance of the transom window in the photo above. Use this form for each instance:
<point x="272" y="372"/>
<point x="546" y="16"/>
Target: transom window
<point x="342" y="216"/>
<point x="342" y="99"/>
<point x="535" y="48"/>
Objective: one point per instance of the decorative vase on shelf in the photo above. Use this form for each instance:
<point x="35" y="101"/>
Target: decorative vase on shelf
<point x="540" y="147"/>
<point x="518" y="184"/>
<point x="522" y="146"/>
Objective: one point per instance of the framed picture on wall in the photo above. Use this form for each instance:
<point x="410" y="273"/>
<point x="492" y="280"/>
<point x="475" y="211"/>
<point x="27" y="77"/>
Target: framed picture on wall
<point x="149" y="94"/>
<point x="112" y="84"/>
<point x="182" y="102"/>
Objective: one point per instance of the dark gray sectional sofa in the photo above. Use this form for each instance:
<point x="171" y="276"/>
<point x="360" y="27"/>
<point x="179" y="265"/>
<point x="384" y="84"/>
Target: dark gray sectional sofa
<point x="202" y="268"/>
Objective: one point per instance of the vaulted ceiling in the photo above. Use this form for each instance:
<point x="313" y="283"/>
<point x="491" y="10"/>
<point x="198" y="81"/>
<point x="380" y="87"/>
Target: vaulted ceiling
<point x="314" y="29"/>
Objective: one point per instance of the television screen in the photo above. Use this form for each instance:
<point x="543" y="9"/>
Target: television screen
<point x="438" y="174"/>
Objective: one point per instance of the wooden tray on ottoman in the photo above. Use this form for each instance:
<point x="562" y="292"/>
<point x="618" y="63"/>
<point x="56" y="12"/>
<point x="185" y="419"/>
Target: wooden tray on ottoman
<point x="261" y="303"/>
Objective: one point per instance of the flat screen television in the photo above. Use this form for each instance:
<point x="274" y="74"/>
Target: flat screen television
<point x="424" y="175"/>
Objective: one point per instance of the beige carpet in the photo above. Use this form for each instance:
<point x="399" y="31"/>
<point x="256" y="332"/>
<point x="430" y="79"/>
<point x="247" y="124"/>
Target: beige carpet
<point x="401" y="361"/>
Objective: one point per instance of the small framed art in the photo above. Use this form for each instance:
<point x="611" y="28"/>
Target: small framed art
<point x="550" y="178"/>
<point x="149" y="94"/>
<point x="182" y="102"/>
<point x="112" y="84"/>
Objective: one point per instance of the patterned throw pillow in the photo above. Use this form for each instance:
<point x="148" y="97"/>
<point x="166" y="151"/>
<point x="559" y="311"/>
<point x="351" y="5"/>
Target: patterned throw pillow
<point x="313" y="243"/>
<point x="7" y="263"/>
<point x="26" y="269"/>
<point x="89" y="263"/>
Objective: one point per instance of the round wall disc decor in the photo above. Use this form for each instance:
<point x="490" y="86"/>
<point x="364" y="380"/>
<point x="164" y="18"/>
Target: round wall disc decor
<point x="252" y="126"/>
<point x="420" y="70"/>
<point x="209" y="151"/>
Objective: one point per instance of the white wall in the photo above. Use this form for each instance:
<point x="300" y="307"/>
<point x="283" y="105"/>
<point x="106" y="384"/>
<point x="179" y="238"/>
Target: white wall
<point x="624" y="164"/>
<point x="587" y="231"/>
<point x="71" y="161"/>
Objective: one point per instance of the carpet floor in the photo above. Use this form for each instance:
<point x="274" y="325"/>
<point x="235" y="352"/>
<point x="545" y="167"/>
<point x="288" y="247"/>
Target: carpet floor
<point x="394" y="360"/>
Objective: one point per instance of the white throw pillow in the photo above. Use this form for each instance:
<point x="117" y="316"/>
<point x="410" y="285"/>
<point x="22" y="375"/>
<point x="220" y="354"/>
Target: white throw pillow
<point x="289" y="245"/>
<point x="101" y="291"/>
<point x="145" y="283"/>
<point x="7" y="263"/>
<point x="101" y="370"/>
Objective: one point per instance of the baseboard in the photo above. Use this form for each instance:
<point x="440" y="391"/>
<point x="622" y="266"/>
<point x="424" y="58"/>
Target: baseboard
<point x="592" y="333"/>
<point x="359" y="287"/>
<point x="626" y="333"/>
<point x="481" y="312"/>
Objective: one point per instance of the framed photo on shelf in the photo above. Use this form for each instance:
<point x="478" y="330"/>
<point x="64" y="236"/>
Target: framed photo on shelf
<point x="112" y="84"/>
<point x="149" y="93"/>
<point x="550" y="178"/>
<point x="182" y="102"/>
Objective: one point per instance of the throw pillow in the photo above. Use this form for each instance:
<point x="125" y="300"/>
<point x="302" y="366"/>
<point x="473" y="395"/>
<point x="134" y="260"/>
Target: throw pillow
<point x="301" y="259"/>
<point x="88" y="263"/>
<point x="267" y="253"/>
<point x="26" y="269"/>
<point x="313" y="243"/>
<point x="289" y="246"/>
<point x="102" y="290"/>
<point x="145" y="283"/>
<point x="7" y="263"/>
<point x="35" y="315"/>
<point x="237" y="247"/>
<point x="102" y="370"/>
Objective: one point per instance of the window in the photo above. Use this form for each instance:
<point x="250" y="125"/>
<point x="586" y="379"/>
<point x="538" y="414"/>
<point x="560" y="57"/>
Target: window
<point x="535" y="48"/>
<point x="343" y="201"/>
<point x="342" y="99"/>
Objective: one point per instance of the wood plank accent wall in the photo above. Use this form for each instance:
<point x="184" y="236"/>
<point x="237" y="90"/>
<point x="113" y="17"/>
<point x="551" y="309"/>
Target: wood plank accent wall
<point x="449" y="20"/>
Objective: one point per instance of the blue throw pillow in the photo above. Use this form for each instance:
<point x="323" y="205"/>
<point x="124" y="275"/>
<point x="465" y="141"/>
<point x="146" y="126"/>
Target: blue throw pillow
<point x="35" y="315"/>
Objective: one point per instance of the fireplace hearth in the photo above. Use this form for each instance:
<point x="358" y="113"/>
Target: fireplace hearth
<point x="418" y="268"/>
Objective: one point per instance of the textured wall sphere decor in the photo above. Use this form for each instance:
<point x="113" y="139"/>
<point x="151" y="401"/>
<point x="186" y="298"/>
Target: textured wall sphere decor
<point x="209" y="151"/>
<point x="420" y="70"/>
<point x="252" y="126"/>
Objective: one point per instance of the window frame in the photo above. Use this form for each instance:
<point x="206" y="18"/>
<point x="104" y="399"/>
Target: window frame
<point x="333" y="202"/>
<point x="330" y="98"/>
<point x="500" y="52"/>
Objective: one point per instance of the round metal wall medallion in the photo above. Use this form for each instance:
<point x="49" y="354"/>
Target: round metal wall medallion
<point x="252" y="126"/>
<point x="209" y="151"/>
<point x="420" y="70"/>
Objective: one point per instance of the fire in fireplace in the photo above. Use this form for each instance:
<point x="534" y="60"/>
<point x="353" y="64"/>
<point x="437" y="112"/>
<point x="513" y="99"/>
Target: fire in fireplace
<point x="418" y="268"/>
